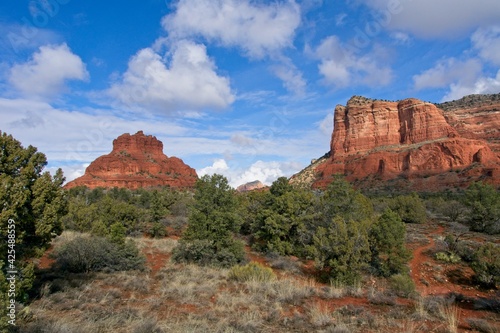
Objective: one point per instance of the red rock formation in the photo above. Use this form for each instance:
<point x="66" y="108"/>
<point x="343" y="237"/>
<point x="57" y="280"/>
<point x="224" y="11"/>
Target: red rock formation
<point x="136" y="161"/>
<point x="476" y="117"/>
<point x="251" y="186"/>
<point x="409" y="140"/>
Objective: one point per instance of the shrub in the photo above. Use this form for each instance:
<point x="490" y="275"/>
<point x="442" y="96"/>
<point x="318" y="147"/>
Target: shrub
<point x="481" y="325"/>
<point x="157" y="230"/>
<point x="342" y="250"/>
<point x="208" y="239"/>
<point x="410" y="208"/>
<point x="252" y="272"/>
<point x="486" y="265"/>
<point x="402" y="285"/>
<point x="206" y="253"/>
<point x="91" y="253"/>
<point x="447" y="257"/>
<point x="387" y="244"/>
<point x="484" y="204"/>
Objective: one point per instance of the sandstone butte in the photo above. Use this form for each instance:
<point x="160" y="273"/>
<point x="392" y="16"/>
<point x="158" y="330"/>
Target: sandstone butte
<point x="256" y="185"/>
<point x="411" y="144"/>
<point x="136" y="161"/>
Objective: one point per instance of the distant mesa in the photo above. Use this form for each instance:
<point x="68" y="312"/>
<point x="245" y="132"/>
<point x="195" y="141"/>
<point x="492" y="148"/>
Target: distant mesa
<point x="411" y="144"/>
<point x="251" y="186"/>
<point x="136" y="161"/>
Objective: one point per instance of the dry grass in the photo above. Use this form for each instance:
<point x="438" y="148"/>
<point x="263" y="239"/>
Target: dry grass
<point x="451" y="316"/>
<point x="188" y="298"/>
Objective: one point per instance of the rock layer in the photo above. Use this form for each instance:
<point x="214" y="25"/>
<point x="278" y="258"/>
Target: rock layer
<point x="412" y="142"/>
<point x="136" y="161"/>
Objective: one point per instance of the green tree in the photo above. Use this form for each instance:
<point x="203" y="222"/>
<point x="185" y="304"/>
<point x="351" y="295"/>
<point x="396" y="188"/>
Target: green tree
<point x="341" y="199"/>
<point x="33" y="199"/>
<point x="342" y="250"/>
<point x="410" y="208"/>
<point x="483" y="202"/>
<point x="387" y="244"/>
<point x="213" y="220"/>
<point x="281" y="226"/>
<point x="486" y="265"/>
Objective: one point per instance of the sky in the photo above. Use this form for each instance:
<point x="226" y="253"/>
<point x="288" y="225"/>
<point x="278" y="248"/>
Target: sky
<point x="243" y="88"/>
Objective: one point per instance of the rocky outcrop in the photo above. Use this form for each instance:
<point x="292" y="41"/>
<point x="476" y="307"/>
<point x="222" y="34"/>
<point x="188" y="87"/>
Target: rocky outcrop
<point x="410" y="141"/>
<point x="251" y="186"/>
<point x="476" y="117"/>
<point x="136" y="161"/>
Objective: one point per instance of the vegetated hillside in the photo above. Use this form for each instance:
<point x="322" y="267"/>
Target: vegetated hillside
<point x="412" y="145"/>
<point x="136" y="161"/>
<point x="325" y="261"/>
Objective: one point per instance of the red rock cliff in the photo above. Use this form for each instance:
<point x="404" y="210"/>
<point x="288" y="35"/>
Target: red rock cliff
<point x="410" y="141"/>
<point x="136" y="161"/>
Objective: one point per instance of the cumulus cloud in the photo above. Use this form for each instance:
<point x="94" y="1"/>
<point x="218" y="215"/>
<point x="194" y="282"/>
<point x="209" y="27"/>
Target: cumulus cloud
<point x="483" y="85"/>
<point x="45" y="74"/>
<point x="341" y="67"/>
<point x="487" y="42"/>
<point x="447" y="72"/>
<point x="470" y="75"/>
<point x="258" y="29"/>
<point x="266" y="172"/>
<point x="187" y="80"/>
<point x="444" y="18"/>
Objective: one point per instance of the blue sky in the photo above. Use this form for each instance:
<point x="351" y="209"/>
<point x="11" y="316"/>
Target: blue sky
<point x="245" y="88"/>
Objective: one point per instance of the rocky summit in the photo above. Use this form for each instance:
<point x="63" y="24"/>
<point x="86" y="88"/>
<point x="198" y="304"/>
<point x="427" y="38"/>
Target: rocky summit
<point x="136" y="161"/>
<point x="412" y="144"/>
<point x="251" y="186"/>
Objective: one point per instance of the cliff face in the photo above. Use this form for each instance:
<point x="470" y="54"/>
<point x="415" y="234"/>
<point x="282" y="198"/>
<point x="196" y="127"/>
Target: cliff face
<point x="411" y="142"/>
<point x="476" y="117"/>
<point x="136" y="161"/>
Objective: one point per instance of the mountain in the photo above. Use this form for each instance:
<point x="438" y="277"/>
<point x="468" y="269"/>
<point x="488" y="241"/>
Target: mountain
<point x="411" y="144"/>
<point x="251" y="186"/>
<point x="136" y="161"/>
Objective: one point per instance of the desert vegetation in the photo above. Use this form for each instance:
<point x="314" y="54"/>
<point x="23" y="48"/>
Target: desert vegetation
<point x="213" y="260"/>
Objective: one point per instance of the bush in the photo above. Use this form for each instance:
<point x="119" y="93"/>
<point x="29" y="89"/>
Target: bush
<point x="208" y="239"/>
<point x="91" y="253"/>
<point x="486" y="265"/>
<point x="410" y="208"/>
<point x="206" y="253"/>
<point x="158" y="230"/>
<point x="342" y="250"/>
<point x="402" y="285"/>
<point x="447" y="257"/>
<point x="387" y="244"/>
<point x="253" y="271"/>
<point x="484" y="204"/>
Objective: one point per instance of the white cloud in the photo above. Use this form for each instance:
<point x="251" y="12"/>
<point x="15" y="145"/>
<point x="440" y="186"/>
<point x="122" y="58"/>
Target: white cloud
<point x="242" y="140"/>
<point x="326" y="125"/>
<point x="188" y="80"/>
<point x="431" y="18"/>
<point x="257" y="28"/>
<point x="341" y="67"/>
<point x="470" y="75"/>
<point x="266" y="172"/>
<point x="45" y="74"/>
<point x="292" y="78"/>
<point x="483" y="85"/>
<point x="487" y="42"/>
<point x="447" y="72"/>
